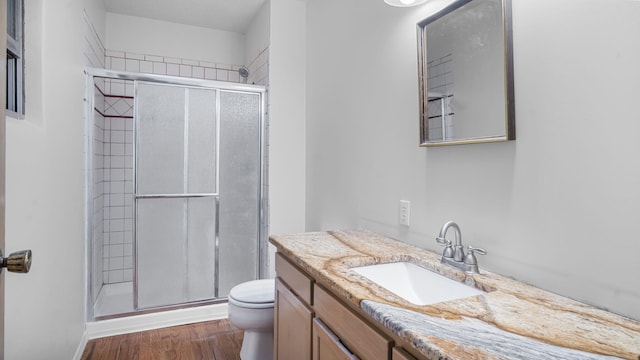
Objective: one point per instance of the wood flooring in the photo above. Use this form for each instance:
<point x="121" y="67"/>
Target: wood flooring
<point x="211" y="340"/>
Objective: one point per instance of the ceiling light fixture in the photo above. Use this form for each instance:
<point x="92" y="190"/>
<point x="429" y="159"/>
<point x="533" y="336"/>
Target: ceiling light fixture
<point x="404" y="3"/>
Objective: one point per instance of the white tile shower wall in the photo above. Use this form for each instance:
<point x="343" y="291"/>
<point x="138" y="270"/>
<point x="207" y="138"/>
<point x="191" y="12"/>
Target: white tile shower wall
<point x="117" y="261"/>
<point x="259" y="69"/>
<point x="93" y="52"/>
<point x="161" y="65"/>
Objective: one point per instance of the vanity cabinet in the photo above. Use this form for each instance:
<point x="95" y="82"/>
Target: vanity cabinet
<point x="311" y="323"/>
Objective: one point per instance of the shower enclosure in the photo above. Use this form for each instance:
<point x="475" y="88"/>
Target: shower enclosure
<point x="175" y="191"/>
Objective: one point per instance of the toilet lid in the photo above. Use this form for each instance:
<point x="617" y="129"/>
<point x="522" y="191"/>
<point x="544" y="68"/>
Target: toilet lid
<point x="254" y="292"/>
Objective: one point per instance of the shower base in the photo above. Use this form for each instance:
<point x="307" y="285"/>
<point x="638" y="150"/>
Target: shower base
<point x="114" y="299"/>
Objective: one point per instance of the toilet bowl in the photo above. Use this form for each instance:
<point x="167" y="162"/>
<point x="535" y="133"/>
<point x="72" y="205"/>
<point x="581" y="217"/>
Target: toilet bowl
<point x="251" y="310"/>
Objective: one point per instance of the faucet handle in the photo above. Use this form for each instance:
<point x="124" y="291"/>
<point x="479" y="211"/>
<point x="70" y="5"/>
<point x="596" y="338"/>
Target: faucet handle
<point x="470" y="259"/>
<point x="442" y="241"/>
<point x="480" y="251"/>
<point x="448" y="250"/>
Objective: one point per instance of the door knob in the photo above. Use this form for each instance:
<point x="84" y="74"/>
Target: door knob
<point x="19" y="262"/>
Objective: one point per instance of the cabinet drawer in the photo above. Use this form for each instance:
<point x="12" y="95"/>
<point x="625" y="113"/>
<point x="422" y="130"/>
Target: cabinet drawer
<point x="327" y="346"/>
<point x="296" y="280"/>
<point x="354" y="332"/>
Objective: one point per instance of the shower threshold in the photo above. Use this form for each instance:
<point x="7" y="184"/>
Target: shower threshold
<point x="116" y="301"/>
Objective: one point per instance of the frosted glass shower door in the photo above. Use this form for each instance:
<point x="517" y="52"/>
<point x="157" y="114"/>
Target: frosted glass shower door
<point x="176" y="195"/>
<point x="240" y="188"/>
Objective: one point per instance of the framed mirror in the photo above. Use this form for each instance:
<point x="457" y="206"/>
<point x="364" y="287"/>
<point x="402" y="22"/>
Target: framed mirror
<point x="465" y="68"/>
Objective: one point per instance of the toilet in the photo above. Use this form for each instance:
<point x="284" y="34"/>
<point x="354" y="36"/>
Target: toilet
<point x="251" y="310"/>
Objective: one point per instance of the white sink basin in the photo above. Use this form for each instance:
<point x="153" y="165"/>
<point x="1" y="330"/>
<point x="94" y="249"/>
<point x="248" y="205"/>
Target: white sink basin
<point x="416" y="284"/>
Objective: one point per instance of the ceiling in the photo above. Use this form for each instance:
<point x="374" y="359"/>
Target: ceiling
<point x="229" y="15"/>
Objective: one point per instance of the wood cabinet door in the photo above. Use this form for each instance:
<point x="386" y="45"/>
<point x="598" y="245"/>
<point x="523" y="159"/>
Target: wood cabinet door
<point x="327" y="346"/>
<point x="292" y="325"/>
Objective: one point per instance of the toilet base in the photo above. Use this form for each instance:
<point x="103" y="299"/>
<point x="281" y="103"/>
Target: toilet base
<point x="257" y="346"/>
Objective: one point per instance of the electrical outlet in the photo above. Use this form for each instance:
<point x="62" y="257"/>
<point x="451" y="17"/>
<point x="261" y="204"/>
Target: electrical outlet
<point x="405" y="212"/>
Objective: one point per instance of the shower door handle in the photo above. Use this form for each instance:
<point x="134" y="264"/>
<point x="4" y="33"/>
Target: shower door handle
<point x="19" y="262"/>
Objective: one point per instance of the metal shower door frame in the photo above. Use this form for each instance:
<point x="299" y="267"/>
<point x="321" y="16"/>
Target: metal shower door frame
<point x="261" y="243"/>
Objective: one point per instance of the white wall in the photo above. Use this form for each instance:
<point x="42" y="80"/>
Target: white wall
<point x="153" y="37"/>
<point x="45" y="309"/>
<point x="286" y="117"/>
<point x="556" y="208"/>
<point x="96" y="12"/>
<point x="257" y="36"/>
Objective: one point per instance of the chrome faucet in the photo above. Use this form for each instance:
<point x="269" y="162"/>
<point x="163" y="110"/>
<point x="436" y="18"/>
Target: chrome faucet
<point x="454" y="255"/>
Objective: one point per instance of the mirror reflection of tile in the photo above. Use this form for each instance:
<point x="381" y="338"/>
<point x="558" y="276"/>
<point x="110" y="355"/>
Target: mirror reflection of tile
<point x="441" y="110"/>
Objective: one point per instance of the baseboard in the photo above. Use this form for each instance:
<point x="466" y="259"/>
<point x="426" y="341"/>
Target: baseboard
<point x="151" y="321"/>
<point x="83" y="343"/>
<point x="98" y="329"/>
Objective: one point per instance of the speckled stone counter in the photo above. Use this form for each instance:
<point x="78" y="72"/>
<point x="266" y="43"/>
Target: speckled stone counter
<point x="511" y="321"/>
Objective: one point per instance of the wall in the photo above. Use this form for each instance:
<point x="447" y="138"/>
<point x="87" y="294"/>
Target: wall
<point x="556" y="208"/>
<point x="96" y="15"/>
<point x="257" y="35"/>
<point x="287" y="67"/>
<point x="45" y="309"/>
<point x="257" y="41"/>
<point x="154" y="37"/>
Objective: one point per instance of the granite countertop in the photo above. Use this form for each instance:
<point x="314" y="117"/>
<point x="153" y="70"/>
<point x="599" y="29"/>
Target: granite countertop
<point x="511" y="321"/>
